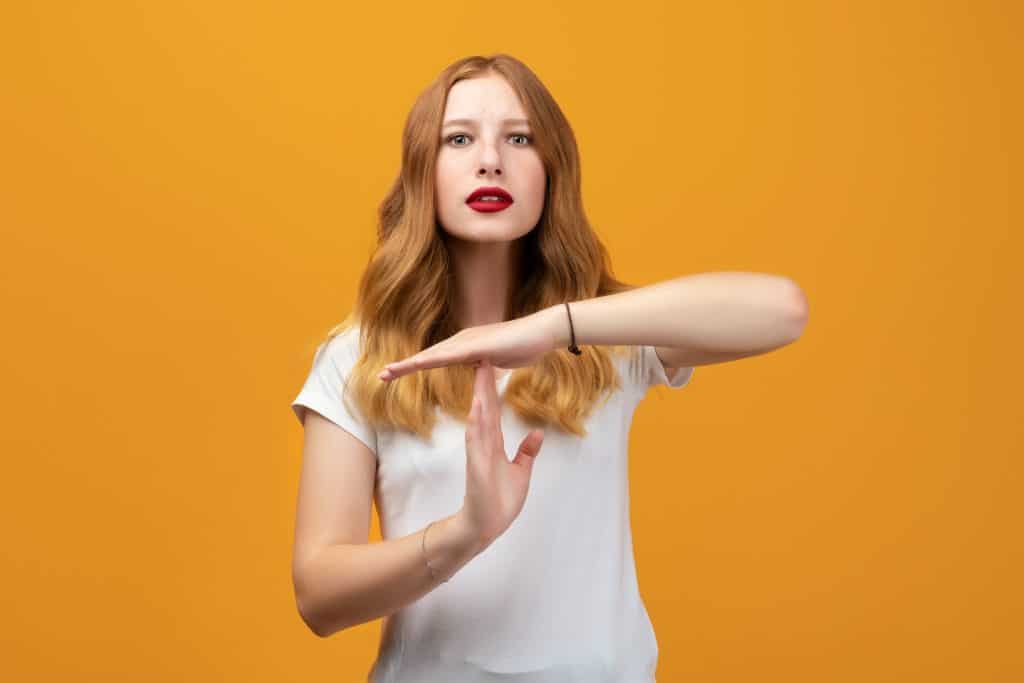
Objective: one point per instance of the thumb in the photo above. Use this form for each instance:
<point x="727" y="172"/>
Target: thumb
<point x="529" y="447"/>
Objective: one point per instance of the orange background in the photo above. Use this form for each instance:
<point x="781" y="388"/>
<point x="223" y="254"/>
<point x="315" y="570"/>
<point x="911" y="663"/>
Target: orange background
<point x="188" y="197"/>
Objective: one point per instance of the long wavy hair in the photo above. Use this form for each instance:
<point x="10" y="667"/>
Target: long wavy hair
<point x="405" y="299"/>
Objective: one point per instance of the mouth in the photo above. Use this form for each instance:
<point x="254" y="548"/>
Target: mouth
<point x="489" y="199"/>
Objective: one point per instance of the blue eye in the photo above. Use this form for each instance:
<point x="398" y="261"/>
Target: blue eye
<point x="528" y="139"/>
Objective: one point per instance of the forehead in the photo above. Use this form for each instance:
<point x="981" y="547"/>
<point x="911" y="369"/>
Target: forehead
<point x="484" y="97"/>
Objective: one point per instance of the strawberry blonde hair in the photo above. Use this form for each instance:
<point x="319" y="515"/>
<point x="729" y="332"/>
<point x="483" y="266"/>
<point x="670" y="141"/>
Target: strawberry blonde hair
<point x="405" y="298"/>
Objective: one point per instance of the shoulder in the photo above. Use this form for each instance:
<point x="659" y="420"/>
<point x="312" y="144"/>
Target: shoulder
<point x="342" y="349"/>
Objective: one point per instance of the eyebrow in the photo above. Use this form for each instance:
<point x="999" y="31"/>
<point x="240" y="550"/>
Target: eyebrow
<point x="470" y="122"/>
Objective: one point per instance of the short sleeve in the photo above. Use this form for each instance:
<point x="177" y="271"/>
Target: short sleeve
<point x="324" y="387"/>
<point x="650" y="371"/>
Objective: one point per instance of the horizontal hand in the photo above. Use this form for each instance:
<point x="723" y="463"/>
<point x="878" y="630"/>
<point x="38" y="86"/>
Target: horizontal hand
<point x="509" y="344"/>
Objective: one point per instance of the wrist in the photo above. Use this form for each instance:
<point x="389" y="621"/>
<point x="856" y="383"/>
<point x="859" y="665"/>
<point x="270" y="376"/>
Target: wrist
<point x="467" y="540"/>
<point x="556" y="320"/>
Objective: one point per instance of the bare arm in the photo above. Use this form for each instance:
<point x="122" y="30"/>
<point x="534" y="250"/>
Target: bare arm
<point x="340" y="579"/>
<point x="348" y="584"/>
<point x="691" y="320"/>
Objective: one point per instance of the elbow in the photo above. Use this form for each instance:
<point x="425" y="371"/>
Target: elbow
<point x="306" y="613"/>
<point x="803" y="309"/>
<point x="797" y="312"/>
<point x="306" y="607"/>
<point x="316" y="617"/>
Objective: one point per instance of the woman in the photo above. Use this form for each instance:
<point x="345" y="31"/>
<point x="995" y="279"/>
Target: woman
<point x="485" y="261"/>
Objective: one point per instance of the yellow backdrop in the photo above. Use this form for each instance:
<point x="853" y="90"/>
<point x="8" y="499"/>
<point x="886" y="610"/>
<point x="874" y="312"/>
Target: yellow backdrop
<point x="188" y="197"/>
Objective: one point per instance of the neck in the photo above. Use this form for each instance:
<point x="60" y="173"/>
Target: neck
<point x="483" y="274"/>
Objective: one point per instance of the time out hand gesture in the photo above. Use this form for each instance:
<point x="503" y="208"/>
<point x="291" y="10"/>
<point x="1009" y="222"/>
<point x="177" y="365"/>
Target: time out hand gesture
<point x="495" y="488"/>
<point x="509" y="344"/>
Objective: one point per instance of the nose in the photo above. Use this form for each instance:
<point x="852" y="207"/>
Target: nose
<point x="490" y="161"/>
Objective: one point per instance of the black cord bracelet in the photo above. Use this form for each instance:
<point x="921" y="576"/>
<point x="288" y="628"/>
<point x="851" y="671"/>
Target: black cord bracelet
<point x="572" y="345"/>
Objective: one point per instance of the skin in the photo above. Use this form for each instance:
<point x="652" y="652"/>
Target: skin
<point x="485" y="249"/>
<point x="727" y="315"/>
<point x="488" y="151"/>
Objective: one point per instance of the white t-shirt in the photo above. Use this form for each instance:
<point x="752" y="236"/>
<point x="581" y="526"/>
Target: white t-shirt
<point x="552" y="600"/>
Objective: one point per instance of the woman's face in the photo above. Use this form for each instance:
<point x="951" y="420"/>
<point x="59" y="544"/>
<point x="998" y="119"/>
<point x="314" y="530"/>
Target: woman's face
<point x="491" y="148"/>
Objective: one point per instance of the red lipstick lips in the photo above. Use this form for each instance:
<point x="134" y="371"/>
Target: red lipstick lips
<point x="489" y="199"/>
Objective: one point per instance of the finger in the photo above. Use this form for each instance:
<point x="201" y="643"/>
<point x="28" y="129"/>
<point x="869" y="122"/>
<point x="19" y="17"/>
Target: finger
<point x="473" y="425"/>
<point x="478" y="380"/>
<point x="492" y="408"/>
<point x="529" y="448"/>
<point x="426" y="362"/>
<point x="392" y="370"/>
<point x="476" y="436"/>
<point x="492" y="394"/>
<point x="408" y="366"/>
<point x="483" y="376"/>
<point x="404" y="367"/>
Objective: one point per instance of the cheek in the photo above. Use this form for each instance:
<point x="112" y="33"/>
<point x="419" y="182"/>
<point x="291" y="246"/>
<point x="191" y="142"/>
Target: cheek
<point x="440" y="172"/>
<point x="442" y="184"/>
<point x="538" y="182"/>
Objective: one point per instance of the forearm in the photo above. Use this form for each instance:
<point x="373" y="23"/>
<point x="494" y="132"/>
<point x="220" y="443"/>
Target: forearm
<point x="719" y="311"/>
<point x="349" y="584"/>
